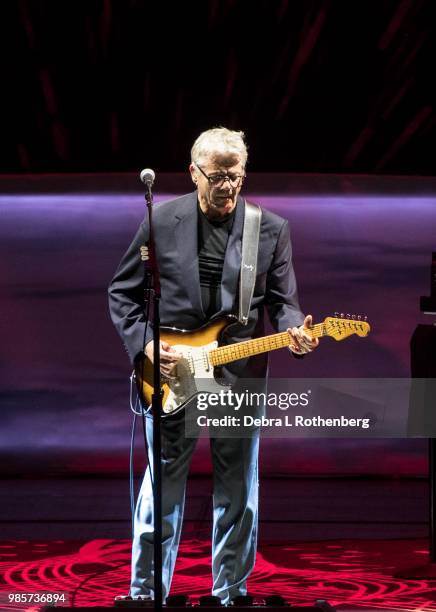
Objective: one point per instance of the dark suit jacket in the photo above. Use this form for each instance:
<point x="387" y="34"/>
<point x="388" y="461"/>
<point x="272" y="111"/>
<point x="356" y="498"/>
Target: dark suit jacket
<point x="176" y="236"/>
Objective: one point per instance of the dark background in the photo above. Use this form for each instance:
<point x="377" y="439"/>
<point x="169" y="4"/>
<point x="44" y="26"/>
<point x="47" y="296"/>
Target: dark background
<point x="325" y="86"/>
<point x="325" y="90"/>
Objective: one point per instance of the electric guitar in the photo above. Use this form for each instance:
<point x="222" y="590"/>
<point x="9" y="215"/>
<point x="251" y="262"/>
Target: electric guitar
<point x="201" y="354"/>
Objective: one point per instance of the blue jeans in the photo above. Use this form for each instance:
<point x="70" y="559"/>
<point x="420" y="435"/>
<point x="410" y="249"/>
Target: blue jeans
<point x="235" y="502"/>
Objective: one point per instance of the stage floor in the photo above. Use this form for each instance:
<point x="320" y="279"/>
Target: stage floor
<point x="339" y="539"/>
<point x="347" y="573"/>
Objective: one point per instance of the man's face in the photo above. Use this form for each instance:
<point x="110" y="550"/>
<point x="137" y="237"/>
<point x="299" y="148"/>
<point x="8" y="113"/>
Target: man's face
<point x="218" y="198"/>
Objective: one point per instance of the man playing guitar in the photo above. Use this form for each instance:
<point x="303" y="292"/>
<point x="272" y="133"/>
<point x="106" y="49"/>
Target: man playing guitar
<point x="198" y="245"/>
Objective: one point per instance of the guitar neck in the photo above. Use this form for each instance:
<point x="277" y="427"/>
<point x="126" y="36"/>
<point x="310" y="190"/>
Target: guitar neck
<point x="240" y="350"/>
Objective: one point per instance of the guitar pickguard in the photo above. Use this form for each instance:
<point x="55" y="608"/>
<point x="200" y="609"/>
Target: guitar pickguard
<point x="193" y="374"/>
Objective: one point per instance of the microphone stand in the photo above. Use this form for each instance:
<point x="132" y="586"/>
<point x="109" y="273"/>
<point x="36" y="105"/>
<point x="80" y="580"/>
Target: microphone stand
<point x="152" y="270"/>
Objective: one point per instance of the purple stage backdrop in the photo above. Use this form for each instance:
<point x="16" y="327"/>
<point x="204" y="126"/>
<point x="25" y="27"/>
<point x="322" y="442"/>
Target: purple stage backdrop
<point x="65" y="375"/>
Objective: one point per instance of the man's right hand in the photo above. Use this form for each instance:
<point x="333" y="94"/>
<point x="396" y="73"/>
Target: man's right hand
<point x="168" y="357"/>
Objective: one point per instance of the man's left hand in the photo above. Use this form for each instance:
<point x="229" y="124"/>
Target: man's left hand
<point x="301" y="341"/>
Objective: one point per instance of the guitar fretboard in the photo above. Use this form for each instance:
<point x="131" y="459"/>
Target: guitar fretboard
<point x="233" y="352"/>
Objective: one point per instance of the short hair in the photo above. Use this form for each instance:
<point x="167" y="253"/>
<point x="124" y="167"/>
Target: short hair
<point x="219" y="140"/>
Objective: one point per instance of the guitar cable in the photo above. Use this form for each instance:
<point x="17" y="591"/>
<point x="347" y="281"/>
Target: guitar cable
<point x="137" y="408"/>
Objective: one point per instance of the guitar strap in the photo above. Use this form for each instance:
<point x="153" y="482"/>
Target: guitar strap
<point x="250" y="247"/>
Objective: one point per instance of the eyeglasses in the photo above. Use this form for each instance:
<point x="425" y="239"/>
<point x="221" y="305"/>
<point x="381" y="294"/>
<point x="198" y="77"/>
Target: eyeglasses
<point x="219" y="179"/>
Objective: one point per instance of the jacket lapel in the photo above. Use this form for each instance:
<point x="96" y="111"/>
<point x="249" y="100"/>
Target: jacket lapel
<point x="186" y="232"/>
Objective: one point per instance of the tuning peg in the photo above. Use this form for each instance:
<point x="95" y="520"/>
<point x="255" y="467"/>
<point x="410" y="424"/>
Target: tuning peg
<point x="336" y="314"/>
<point x="348" y="315"/>
<point x="353" y="317"/>
<point x="359" y="317"/>
<point x="342" y="315"/>
<point x="365" y="319"/>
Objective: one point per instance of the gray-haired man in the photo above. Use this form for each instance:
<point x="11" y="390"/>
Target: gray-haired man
<point x="198" y="243"/>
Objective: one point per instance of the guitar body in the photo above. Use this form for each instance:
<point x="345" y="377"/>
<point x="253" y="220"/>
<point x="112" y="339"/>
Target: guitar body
<point x="193" y="374"/>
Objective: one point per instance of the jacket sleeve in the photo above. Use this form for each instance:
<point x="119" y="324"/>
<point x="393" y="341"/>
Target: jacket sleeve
<point x="127" y="300"/>
<point x="281" y="297"/>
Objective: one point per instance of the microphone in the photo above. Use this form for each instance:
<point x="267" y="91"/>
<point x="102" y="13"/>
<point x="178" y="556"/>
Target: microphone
<point x="147" y="176"/>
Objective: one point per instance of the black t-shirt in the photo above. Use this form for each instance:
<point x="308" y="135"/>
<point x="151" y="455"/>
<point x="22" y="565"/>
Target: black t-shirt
<point x="212" y="244"/>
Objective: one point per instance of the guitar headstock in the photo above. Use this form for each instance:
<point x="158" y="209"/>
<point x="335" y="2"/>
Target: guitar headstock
<point x="340" y="328"/>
